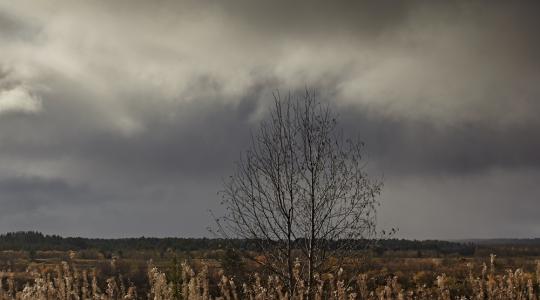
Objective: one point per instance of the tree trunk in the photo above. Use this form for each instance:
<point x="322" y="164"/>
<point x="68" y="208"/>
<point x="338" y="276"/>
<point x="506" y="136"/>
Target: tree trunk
<point x="311" y="257"/>
<point x="290" y="263"/>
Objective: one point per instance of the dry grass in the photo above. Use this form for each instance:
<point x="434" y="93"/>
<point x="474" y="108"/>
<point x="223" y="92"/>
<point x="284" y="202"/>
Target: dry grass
<point x="66" y="282"/>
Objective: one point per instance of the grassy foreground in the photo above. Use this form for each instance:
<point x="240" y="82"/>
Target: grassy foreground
<point x="470" y="279"/>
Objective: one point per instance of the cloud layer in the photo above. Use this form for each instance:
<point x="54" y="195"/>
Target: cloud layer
<point x="18" y="100"/>
<point x="117" y="112"/>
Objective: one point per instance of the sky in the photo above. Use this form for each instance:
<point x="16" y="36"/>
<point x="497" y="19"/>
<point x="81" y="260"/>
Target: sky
<point x="123" y="118"/>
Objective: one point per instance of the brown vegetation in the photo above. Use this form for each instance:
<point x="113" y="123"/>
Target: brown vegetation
<point x="467" y="280"/>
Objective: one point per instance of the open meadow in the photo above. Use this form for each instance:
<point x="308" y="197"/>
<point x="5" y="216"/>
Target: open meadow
<point x="393" y="269"/>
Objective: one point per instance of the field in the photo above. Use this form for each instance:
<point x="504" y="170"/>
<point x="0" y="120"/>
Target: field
<point x="383" y="273"/>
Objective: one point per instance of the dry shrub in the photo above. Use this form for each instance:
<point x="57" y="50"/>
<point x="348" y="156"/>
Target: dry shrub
<point x="66" y="282"/>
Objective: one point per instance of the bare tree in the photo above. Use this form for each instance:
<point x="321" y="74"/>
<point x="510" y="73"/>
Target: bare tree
<point x="300" y="192"/>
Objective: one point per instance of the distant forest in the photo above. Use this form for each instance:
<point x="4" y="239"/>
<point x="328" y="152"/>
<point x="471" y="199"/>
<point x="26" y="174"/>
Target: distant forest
<point x="36" y="241"/>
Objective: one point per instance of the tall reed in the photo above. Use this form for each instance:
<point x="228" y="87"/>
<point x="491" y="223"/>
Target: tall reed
<point x="66" y="282"/>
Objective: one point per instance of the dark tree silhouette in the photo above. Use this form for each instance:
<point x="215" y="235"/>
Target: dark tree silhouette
<point x="300" y="192"/>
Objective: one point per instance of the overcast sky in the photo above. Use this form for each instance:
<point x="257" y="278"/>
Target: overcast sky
<point x="121" y="118"/>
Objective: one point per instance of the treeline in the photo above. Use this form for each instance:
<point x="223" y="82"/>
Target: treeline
<point x="433" y="246"/>
<point x="36" y="241"/>
<point x="31" y="240"/>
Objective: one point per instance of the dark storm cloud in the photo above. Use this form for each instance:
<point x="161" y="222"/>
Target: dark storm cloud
<point x="312" y="19"/>
<point x="30" y="194"/>
<point x="408" y="147"/>
<point x="192" y="138"/>
<point x="116" y="112"/>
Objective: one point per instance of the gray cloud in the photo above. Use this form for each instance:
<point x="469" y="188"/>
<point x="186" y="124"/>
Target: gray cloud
<point x="142" y="110"/>
<point x="412" y="147"/>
